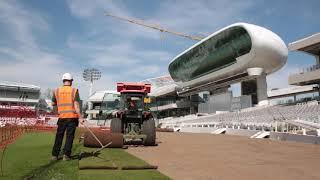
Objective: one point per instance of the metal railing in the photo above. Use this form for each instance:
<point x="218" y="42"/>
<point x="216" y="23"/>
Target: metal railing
<point x="309" y="69"/>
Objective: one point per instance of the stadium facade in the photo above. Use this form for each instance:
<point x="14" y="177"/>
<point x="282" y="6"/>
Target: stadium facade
<point x="13" y="93"/>
<point x="100" y="104"/>
<point x="309" y="75"/>
<point x="197" y="108"/>
<point x="295" y="109"/>
<point x="202" y="74"/>
<point x="168" y="102"/>
<point x="165" y="100"/>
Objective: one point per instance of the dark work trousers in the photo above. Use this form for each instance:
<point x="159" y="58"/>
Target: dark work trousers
<point x="69" y="126"/>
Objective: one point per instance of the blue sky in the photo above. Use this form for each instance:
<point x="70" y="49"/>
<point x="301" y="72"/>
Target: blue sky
<point x="40" y="40"/>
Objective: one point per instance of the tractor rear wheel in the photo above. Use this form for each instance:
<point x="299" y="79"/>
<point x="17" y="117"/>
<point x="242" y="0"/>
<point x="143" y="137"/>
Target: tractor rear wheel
<point x="149" y="129"/>
<point x="115" y="125"/>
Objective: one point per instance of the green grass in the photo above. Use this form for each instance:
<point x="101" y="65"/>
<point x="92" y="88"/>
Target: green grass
<point x="30" y="157"/>
<point x="121" y="174"/>
<point x="110" y="156"/>
<point x="118" y="158"/>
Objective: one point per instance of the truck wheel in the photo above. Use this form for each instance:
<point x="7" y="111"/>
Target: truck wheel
<point x="149" y="129"/>
<point x="115" y="125"/>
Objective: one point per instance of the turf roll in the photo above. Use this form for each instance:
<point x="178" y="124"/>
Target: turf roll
<point x="97" y="167"/>
<point x="165" y="129"/>
<point x="94" y="162"/>
<point x="132" y="167"/>
<point x="105" y="137"/>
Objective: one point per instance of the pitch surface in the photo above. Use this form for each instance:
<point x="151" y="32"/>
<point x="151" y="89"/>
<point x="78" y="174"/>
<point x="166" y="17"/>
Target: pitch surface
<point x="225" y="157"/>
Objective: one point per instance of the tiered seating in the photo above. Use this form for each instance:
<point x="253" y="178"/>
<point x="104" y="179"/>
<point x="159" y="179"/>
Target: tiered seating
<point x="18" y="115"/>
<point x="255" y="117"/>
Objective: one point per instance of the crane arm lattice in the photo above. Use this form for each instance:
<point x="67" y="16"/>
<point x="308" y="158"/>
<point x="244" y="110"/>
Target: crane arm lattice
<point x="152" y="26"/>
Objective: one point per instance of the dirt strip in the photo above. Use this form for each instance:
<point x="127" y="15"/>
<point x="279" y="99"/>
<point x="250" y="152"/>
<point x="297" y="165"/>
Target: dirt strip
<point x="224" y="157"/>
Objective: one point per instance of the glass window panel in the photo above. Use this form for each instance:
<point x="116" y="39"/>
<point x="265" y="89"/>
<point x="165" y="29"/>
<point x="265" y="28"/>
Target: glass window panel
<point x="213" y="54"/>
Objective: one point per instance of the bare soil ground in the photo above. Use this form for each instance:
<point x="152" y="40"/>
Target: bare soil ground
<point x="224" y="157"/>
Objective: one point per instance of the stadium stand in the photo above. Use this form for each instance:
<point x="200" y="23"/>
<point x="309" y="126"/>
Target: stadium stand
<point x="256" y="118"/>
<point x="20" y="104"/>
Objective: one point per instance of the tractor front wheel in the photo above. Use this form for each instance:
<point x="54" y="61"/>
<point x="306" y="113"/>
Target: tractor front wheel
<point x="149" y="129"/>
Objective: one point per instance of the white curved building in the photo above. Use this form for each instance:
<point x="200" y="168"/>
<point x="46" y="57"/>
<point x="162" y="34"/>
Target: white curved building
<point x="236" y="53"/>
<point x="227" y="52"/>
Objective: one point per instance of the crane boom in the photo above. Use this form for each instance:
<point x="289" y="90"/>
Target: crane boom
<point x="161" y="29"/>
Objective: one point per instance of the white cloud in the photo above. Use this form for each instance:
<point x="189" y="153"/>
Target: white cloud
<point x="89" y="9"/>
<point x="192" y="17"/>
<point x="125" y="55"/>
<point x="26" y="59"/>
<point x="143" y="71"/>
<point x="155" y="56"/>
<point x="21" y="22"/>
<point x="99" y="25"/>
<point x="120" y="54"/>
<point x="122" y="50"/>
<point x="200" y="16"/>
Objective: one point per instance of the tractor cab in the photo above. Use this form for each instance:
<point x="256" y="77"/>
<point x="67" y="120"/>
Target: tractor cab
<point x="133" y="102"/>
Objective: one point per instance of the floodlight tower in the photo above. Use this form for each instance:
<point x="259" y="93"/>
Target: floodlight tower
<point x="91" y="74"/>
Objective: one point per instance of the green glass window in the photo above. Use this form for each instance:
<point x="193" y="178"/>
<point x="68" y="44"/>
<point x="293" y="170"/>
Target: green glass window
<point x="211" y="55"/>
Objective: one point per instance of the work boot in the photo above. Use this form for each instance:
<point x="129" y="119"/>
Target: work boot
<point x="66" y="158"/>
<point x="54" y="158"/>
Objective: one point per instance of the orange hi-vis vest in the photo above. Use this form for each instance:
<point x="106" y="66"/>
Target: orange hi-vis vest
<point x="65" y="97"/>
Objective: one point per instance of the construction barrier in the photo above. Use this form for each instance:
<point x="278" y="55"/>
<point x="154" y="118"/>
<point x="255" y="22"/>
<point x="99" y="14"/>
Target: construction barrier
<point x="20" y="118"/>
<point x="9" y="133"/>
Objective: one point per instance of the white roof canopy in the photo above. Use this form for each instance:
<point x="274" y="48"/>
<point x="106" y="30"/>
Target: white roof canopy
<point x="103" y="96"/>
<point x="310" y="44"/>
<point x="9" y="85"/>
<point x="290" y="91"/>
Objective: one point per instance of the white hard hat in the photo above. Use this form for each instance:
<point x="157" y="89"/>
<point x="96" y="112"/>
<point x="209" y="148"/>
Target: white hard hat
<point x="67" y="76"/>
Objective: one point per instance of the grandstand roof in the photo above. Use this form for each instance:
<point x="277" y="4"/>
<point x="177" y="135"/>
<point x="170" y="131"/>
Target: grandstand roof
<point x="19" y="100"/>
<point x="99" y="96"/>
<point x="169" y="89"/>
<point x="159" y="81"/>
<point x="162" y="85"/>
<point x="290" y="91"/>
<point x="310" y="44"/>
<point x="10" y="85"/>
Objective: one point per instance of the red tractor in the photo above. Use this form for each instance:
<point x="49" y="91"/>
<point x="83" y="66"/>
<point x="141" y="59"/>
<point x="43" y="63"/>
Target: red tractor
<point x="134" y="118"/>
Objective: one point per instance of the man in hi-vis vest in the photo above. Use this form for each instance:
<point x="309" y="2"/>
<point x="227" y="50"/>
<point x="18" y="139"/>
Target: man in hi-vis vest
<point x="67" y="101"/>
